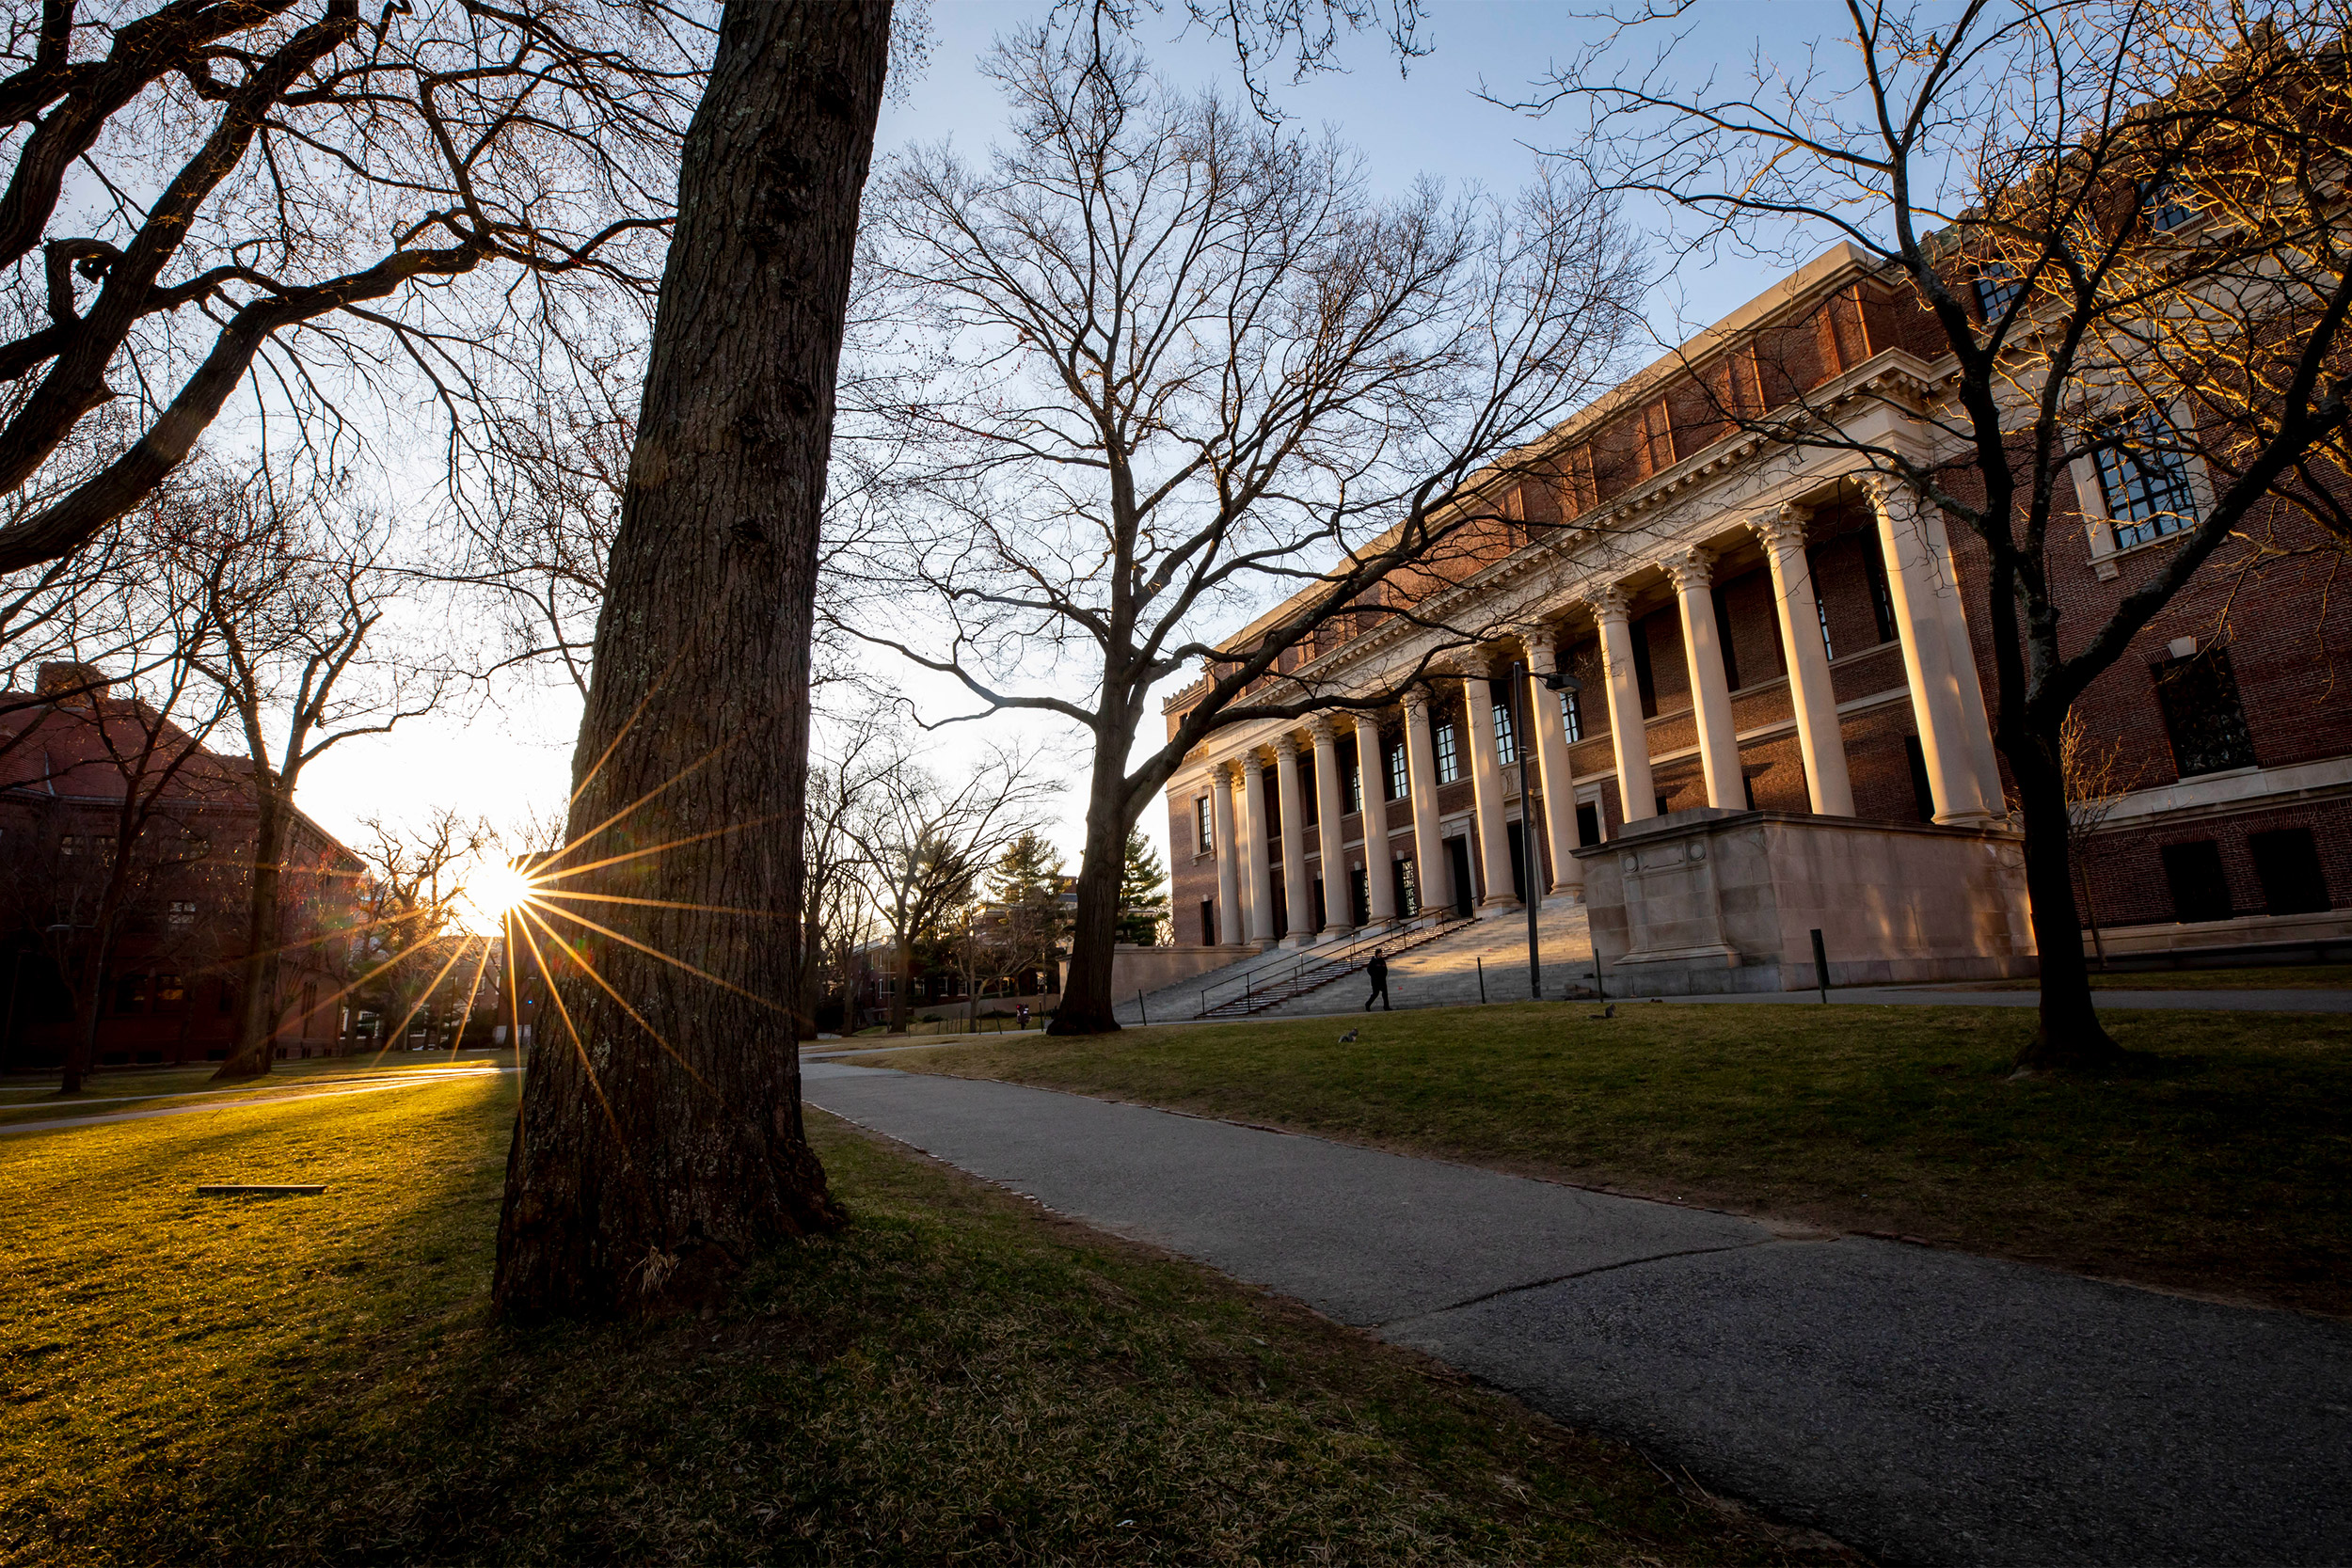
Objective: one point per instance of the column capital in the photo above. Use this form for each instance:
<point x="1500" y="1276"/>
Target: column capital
<point x="1320" y="730"/>
<point x="1415" y="703"/>
<point x="1535" y="641"/>
<point x="1782" y="528"/>
<point x="1249" y="762"/>
<point x="1609" y="604"/>
<point x="1368" y="722"/>
<point x="1888" y="496"/>
<point x="1693" y="570"/>
<point x="1286" y="746"/>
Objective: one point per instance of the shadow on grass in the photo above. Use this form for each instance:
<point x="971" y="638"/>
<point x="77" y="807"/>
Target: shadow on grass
<point x="955" y="1376"/>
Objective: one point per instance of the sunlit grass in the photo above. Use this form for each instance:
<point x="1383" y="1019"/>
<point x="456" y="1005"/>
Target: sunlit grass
<point x="2226" y="1169"/>
<point x="954" y="1377"/>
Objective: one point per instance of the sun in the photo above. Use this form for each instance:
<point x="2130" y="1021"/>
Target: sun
<point x="496" y="890"/>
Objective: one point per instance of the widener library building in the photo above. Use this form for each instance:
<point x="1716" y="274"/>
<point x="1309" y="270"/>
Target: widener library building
<point x="1781" y="720"/>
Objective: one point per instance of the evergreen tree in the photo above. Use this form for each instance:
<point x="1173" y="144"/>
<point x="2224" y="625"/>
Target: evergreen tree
<point x="1142" y="893"/>
<point x="1025" y="886"/>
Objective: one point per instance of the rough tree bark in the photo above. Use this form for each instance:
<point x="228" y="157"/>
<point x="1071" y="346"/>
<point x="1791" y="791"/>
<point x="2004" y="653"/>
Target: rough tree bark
<point x="264" y="934"/>
<point x="643" y="1172"/>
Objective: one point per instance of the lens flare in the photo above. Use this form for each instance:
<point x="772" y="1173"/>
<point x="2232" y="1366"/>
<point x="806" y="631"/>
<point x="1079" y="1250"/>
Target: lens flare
<point x="497" y="891"/>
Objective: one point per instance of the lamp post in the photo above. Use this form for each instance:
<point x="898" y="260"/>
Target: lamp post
<point x="1523" y="678"/>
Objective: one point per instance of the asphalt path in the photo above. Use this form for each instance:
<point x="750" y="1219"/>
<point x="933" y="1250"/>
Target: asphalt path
<point x="235" y="1099"/>
<point x="1924" y="1405"/>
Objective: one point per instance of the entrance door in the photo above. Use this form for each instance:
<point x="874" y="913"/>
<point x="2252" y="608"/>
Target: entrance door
<point x="1519" y="861"/>
<point x="1457" y="860"/>
<point x="1360" y="895"/>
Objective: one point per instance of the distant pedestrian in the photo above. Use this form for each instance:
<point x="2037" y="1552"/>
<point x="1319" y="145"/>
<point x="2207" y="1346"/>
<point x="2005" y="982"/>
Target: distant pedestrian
<point x="1379" y="970"/>
<point x="1025" y="1015"/>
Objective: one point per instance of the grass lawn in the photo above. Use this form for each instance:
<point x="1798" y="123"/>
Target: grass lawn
<point x="955" y="1377"/>
<point x="2227" y="1168"/>
<point x="2282" y="977"/>
<point x="29" y="1098"/>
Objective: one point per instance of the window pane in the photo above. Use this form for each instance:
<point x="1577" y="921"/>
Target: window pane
<point x="2144" y="481"/>
<point x="2164" y="203"/>
<point x="2202" y="714"/>
<point x="1506" y="738"/>
<point x="2286" y="862"/>
<point x="1448" y="765"/>
<point x="1400" y="774"/>
<point x="1572" y="715"/>
<point x="2200" y="890"/>
<point x="1998" y="284"/>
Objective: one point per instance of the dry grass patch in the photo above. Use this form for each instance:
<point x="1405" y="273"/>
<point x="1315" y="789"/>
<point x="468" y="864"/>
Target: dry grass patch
<point x="955" y="1377"/>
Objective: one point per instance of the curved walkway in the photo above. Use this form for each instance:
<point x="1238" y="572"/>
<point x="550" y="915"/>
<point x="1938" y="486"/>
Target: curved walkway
<point x="1925" y="1406"/>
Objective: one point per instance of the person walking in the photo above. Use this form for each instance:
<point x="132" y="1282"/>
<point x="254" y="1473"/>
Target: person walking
<point x="1379" y="970"/>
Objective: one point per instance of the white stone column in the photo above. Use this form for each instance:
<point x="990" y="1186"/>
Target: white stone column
<point x="1935" y="702"/>
<point x="1976" y="722"/>
<point x="1372" y="771"/>
<point x="1256" y="867"/>
<point x="1629" y="736"/>
<point x="1298" y="898"/>
<point x="1810" y="694"/>
<point x="1692" y="570"/>
<point x="1338" y="913"/>
<point x="1494" y="839"/>
<point x="1551" y="755"/>
<point x="1432" y="876"/>
<point x="1223" y="782"/>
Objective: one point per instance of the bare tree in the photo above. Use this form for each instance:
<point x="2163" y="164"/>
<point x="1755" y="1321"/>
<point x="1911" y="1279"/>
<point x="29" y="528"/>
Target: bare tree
<point x="413" y="894"/>
<point x="207" y="196"/>
<point x="1174" y="364"/>
<point x="923" y="846"/>
<point x="2123" y="230"/>
<point x="294" y="596"/>
<point x="2098" y="776"/>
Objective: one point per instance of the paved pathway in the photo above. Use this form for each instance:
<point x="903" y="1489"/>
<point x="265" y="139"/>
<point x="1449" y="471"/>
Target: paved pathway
<point x="235" y="1099"/>
<point x="1924" y="1405"/>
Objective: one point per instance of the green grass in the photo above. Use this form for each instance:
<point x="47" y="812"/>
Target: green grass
<point x="2225" y="1167"/>
<point x="2284" y="977"/>
<point x="954" y="1377"/>
<point x="26" y="1099"/>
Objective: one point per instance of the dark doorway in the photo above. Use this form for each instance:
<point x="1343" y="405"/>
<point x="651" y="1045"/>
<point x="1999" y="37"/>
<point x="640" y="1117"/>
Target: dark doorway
<point x="1208" y="923"/>
<point x="1588" y="824"/>
<point x="1314" y="916"/>
<point x="2287" y="863"/>
<point x="1518" y="859"/>
<point x="1282" y="909"/>
<point x="1360" y="895"/>
<point x="1407" y="888"/>
<point x="1458" y="862"/>
<point x="2200" y="891"/>
<point x="1922" y="795"/>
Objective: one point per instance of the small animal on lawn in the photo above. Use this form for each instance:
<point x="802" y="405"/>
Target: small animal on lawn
<point x="1348" y="1038"/>
<point x="1610" y="1011"/>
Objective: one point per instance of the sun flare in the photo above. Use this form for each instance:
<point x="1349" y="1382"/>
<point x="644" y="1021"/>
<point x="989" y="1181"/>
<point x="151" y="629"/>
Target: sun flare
<point x="496" y="890"/>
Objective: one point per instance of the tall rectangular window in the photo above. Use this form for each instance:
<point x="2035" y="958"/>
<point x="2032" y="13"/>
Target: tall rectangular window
<point x="1723" y="640"/>
<point x="1449" y="756"/>
<point x="1352" y="782"/>
<point x="1572" y="713"/>
<point x="1882" y="596"/>
<point x="2143" y="480"/>
<point x="1203" y="825"/>
<point x="1506" y="737"/>
<point x="1400" y="773"/>
<point x="2203" y="713"/>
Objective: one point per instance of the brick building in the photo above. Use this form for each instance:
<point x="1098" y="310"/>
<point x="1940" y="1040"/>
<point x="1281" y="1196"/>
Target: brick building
<point x="166" y="986"/>
<point x="1760" y="628"/>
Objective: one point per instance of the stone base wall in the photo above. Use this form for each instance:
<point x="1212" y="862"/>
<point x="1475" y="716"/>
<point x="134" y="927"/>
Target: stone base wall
<point x="1708" y="901"/>
<point x="1148" y="969"/>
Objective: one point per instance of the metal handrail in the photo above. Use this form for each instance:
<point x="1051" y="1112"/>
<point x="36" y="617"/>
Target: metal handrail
<point x="1264" y="977"/>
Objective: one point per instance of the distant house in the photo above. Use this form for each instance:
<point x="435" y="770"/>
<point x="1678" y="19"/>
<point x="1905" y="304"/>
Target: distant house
<point x="165" y="973"/>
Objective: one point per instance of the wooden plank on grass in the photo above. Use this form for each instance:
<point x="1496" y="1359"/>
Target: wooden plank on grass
<point x="243" y="1189"/>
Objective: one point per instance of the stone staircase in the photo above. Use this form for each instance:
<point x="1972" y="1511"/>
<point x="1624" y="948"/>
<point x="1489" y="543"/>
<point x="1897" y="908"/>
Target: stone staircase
<point x="1442" y="969"/>
<point x="1448" y="971"/>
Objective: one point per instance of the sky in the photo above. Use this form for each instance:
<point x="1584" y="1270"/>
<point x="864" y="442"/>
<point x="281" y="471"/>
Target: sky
<point x="511" y="754"/>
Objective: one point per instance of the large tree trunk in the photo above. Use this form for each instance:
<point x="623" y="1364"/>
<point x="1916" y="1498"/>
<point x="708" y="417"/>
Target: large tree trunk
<point x="2069" y="1038"/>
<point x="257" y="980"/>
<point x="1087" y="1006"/>
<point x="639" y="1179"/>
